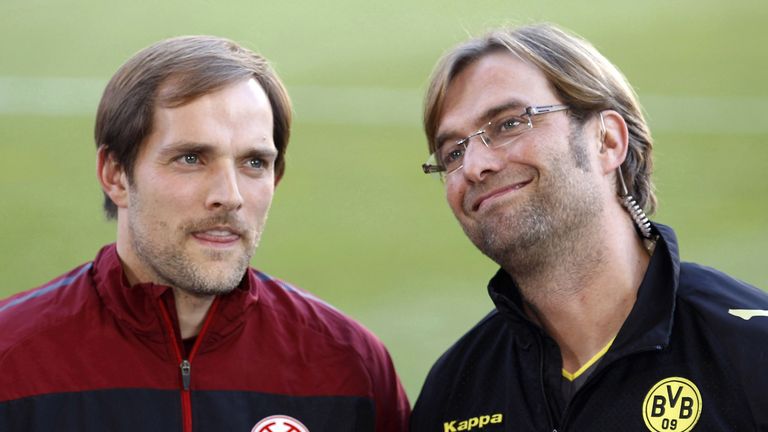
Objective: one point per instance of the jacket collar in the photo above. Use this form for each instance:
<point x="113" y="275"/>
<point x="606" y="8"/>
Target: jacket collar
<point x="138" y="306"/>
<point x="649" y="323"/>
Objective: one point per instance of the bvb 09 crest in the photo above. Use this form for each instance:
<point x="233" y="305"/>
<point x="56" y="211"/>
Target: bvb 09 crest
<point x="672" y="404"/>
<point x="279" y="423"/>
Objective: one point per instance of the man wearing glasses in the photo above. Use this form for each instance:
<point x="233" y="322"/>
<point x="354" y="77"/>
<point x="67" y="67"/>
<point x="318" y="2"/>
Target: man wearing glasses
<point x="546" y="160"/>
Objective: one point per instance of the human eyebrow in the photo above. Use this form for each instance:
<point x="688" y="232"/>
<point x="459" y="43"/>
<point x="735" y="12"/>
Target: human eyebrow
<point x="183" y="147"/>
<point x="268" y="153"/>
<point x="445" y="136"/>
<point x="485" y="117"/>
<point x="491" y="113"/>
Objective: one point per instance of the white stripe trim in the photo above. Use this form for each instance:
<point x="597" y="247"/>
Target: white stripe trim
<point x="746" y="314"/>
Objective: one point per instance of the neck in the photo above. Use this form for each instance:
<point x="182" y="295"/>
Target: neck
<point x="191" y="311"/>
<point x="582" y="295"/>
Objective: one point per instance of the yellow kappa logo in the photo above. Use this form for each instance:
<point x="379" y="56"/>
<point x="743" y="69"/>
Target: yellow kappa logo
<point x="472" y="423"/>
<point x="672" y="404"/>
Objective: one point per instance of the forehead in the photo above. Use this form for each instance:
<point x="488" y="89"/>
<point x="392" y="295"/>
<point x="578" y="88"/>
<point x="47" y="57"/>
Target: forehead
<point x="243" y="96"/>
<point x="236" y="112"/>
<point x="496" y="79"/>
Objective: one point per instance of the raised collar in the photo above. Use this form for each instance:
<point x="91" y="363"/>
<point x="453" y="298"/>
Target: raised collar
<point x="649" y="323"/>
<point x="138" y="306"/>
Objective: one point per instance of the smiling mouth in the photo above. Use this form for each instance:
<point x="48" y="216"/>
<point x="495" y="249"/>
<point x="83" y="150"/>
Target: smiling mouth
<point x="491" y="196"/>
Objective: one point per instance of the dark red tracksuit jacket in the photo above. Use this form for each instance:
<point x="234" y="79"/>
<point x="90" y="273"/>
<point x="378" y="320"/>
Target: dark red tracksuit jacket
<point x="87" y="352"/>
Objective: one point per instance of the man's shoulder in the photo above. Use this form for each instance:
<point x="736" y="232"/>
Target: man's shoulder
<point x="299" y="310"/>
<point x="319" y="331"/>
<point x="30" y="312"/>
<point x="723" y="299"/>
<point x="730" y="313"/>
<point x="728" y="319"/>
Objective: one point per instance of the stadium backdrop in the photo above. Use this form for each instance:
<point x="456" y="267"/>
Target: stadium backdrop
<point x="354" y="220"/>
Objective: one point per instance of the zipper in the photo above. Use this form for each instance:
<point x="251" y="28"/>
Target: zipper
<point x="600" y="371"/>
<point x="185" y="364"/>
<point x="186" y="374"/>
<point x="548" y="409"/>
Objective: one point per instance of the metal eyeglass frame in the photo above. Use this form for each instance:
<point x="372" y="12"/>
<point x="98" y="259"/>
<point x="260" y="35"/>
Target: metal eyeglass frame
<point x="530" y="112"/>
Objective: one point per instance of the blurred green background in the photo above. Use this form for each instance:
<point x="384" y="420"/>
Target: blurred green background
<point x="354" y="220"/>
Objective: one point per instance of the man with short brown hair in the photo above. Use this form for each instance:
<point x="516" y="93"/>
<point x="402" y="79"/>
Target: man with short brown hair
<point x="168" y="328"/>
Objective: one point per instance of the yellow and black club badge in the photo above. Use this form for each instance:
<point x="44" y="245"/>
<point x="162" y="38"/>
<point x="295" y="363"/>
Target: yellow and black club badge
<point x="672" y="404"/>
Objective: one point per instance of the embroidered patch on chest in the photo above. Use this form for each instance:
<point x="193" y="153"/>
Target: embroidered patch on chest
<point x="279" y="423"/>
<point x="672" y="404"/>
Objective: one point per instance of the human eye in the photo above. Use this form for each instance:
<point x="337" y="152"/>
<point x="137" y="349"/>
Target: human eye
<point x="510" y="125"/>
<point x="189" y="159"/>
<point x="256" y="163"/>
<point x="452" y="154"/>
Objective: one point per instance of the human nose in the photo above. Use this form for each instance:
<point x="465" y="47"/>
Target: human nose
<point x="224" y="190"/>
<point x="479" y="160"/>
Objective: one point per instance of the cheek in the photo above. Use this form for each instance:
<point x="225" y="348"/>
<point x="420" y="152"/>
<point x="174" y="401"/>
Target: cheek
<point x="259" y="198"/>
<point x="454" y="194"/>
<point x="177" y="198"/>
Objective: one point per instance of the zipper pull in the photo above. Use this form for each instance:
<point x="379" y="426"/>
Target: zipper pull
<point x="186" y="373"/>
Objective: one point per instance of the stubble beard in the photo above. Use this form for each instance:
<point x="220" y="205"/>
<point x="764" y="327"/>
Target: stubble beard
<point x="552" y="227"/>
<point x="173" y="264"/>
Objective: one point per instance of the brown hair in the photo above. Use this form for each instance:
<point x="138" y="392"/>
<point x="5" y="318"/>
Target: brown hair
<point x="582" y="78"/>
<point x="193" y="66"/>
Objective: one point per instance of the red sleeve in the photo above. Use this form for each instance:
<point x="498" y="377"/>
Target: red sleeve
<point x="392" y="407"/>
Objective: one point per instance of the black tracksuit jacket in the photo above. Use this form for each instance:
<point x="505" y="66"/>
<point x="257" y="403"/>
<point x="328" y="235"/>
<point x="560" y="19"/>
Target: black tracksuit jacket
<point x="692" y="355"/>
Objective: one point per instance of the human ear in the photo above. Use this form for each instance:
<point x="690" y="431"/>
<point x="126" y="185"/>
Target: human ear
<point x="614" y="140"/>
<point x="112" y="177"/>
<point x="613" y="151"/>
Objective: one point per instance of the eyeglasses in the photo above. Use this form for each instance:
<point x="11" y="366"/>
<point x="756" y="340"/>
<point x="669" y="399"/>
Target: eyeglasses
<point x="449" y="157"/>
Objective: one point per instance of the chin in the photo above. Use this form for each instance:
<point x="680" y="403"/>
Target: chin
<point x="206" y="292"/>
<point x="206" y="277"/>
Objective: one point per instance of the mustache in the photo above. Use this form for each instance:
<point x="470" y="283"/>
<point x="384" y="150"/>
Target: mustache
<point x="229" y="221"/>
